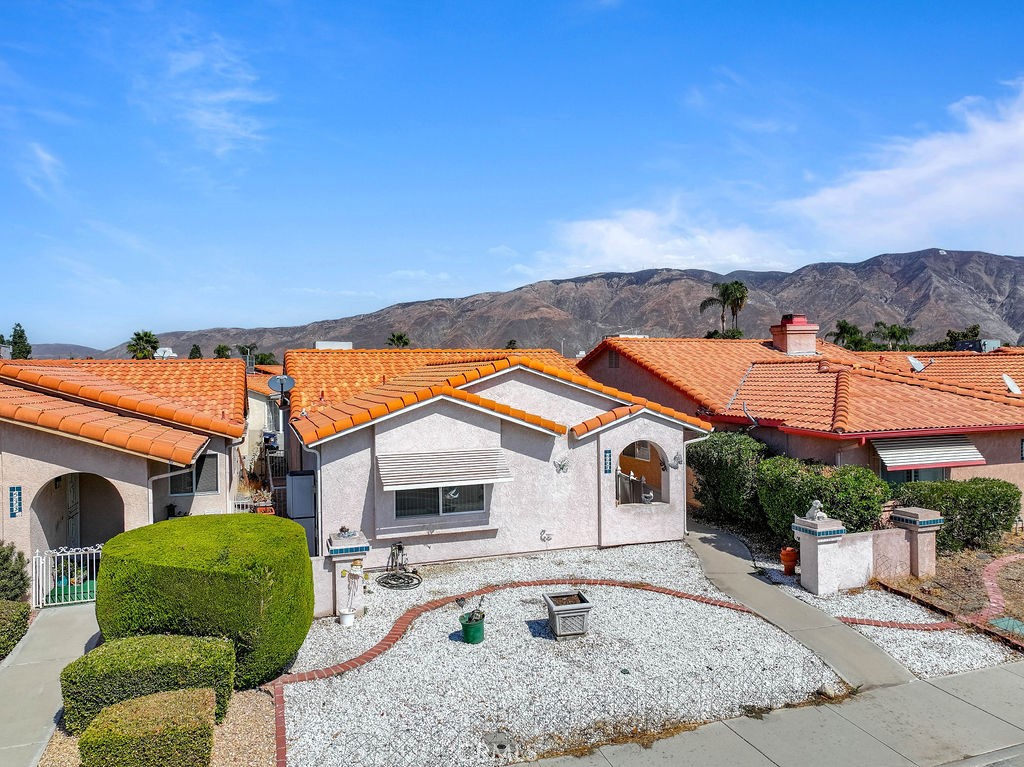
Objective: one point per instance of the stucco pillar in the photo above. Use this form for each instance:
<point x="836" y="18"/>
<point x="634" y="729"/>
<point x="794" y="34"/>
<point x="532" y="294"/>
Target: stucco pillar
<point x="819" y="553"/>
<point x="347" y="556"/>
<point x="922" y="525"/>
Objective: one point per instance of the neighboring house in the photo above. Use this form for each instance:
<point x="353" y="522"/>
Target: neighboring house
<point x="996" y="371"/>
<point x="469" y="453"/>
<point x="90" y="448"/>
<point x="812" y="399"/>
<point x="265" y="417"/>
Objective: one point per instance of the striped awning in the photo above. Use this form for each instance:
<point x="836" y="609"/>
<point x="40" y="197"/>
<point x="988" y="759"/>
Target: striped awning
<point x="927" y="452"/>
<point x="408" y="471"/>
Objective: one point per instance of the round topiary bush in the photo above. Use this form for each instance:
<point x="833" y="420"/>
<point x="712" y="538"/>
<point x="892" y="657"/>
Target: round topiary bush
<point x="246" y="577"/>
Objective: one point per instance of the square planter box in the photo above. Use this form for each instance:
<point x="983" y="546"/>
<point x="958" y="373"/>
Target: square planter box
<point x="568" y="613"/>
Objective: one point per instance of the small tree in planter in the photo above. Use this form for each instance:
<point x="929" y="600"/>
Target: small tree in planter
<point x="13" y="573"/>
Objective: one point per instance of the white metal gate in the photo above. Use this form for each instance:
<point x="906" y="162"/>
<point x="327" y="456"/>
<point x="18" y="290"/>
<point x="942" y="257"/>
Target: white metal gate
<point x="65" y="576"/>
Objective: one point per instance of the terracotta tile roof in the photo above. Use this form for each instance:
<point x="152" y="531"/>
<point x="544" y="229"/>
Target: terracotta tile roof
<point x="705" y="370"/>
<point x="270" y="370"/>
<point x="209" y="395"/>
<point x="257" y="382"/>
<point x="334" y="375"/>
<point x="437" y="377"/>
<point x="981" y="371"/>
<point x="93" y="424"/>
<point x="829" y="397"/>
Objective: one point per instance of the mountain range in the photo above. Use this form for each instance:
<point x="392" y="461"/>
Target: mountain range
<point x="930" y="290"/>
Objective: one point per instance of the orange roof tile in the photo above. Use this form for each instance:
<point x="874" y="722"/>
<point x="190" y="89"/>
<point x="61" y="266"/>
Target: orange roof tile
<point x="257" y="382"/>
<point x="980" y="371"/>
<point x="334" y="375"/>
<point x="823" y="396"/>
<point x="94" y="424"/>
<point x="270" y="370"/>
<point x="705" y="370"/>
<point x="441" y="374"/>
<point x="204" y="394"/>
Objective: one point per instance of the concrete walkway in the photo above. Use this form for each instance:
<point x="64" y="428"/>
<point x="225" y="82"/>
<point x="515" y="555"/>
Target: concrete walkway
<point x="30" y="680"/>
<point x="858" y="660"/>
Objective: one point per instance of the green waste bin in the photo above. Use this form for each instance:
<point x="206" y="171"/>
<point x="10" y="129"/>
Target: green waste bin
<point x="472" y="631"/>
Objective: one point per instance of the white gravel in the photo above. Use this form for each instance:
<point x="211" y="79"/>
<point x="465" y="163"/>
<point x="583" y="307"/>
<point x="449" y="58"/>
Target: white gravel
<point x="926" y="653"/>
<point x="650" y="662"/>
<point x="939" y="653"/>
<point x="664" y="564"/>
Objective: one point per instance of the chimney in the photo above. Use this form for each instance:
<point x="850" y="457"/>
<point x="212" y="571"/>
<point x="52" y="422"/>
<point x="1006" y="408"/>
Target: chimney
<point x="795" y="336"/>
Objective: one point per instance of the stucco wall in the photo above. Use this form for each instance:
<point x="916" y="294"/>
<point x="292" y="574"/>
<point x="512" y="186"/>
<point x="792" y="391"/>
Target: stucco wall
<point x="636" y="380"/>
<point x="1001" y="450"/>
<point x="204" y="503"/>
<point x="32" y="459"/>
<point x="538" y="394"/>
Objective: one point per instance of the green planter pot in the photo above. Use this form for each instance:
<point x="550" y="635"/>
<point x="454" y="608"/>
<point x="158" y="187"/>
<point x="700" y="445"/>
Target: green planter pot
<point x="472" y="631"/>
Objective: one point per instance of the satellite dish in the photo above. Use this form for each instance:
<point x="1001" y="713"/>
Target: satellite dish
<point x="915" y="363"/>
<point x="281" y="384"/>
<point x="1011" y="385"/>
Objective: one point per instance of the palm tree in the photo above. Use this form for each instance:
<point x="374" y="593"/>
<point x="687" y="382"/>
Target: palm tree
<point x="848" y="335"/>
<point x="222" y="352"/>
<point x="143" y="345"/>
<point x="721" y="300"/>
<point x="265" y="358"/>
<point x="728" y="295"/>
<point x="398" y="340"/>
<point x="738" y="293"/>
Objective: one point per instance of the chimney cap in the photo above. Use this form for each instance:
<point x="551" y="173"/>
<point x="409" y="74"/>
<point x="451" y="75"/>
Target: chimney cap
<point x="794" y="319"/>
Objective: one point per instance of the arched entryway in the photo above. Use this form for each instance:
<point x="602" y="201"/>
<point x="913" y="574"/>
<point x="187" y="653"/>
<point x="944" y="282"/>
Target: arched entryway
<point x="74" y="510"/>
<point x="642" y="475"/>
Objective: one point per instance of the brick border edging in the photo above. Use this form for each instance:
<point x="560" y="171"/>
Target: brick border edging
<point x="276" y="687"/>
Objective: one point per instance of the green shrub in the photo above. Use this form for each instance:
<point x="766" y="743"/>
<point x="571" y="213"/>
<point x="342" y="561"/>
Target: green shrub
<point x="247" y="577"/>
<point x="787" y="486"/>
<point x="725" y="466"/>
<point x="167" y="728"/>
<point x="135" y="666"/>
<point x="13" y="624"/>
<point x="13" y="573"/>
<point x="977" y="511"/>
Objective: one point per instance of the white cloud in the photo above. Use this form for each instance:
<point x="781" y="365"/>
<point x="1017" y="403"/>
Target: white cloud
<point x="205" y="84"/>
<point x="957" y="188"/>
<point x="668" y="237"/>
<point x="42" y="172"/>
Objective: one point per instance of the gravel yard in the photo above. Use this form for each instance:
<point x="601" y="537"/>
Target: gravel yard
<point x="651" y="664"/>
<point x="664" y="564"/>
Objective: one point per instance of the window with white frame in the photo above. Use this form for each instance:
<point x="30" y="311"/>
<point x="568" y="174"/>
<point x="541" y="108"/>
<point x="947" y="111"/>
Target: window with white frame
<point x="437" y="501"/>
<point x="201" y="479"/>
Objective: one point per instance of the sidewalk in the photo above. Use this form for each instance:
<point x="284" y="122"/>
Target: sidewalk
<point x="30" y="680"/>
<point x="972" y="720"/>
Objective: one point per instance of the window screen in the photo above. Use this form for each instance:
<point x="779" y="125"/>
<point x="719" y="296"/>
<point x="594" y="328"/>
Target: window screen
<point x="417" y="503"/>
<point x="462" y="498"/>
<point x="202" y="478"/>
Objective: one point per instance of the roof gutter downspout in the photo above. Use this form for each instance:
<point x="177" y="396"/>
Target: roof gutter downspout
<point x="166" y="475"/>
<point x="686" y="444"/>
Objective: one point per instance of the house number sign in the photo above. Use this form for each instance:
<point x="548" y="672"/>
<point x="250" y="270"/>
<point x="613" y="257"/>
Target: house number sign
<point x="607" y="461"/>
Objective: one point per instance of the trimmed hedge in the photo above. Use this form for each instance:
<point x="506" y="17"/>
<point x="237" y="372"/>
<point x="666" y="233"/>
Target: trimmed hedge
<point x="725" y="465"/>
<point x="167" y="728"/>
<point x="13" y="624"/>
<point x="135" y="666"/>
<point x="977" y="511"/>
<point x="787" y="486"/>
<point x="247" y="577"/>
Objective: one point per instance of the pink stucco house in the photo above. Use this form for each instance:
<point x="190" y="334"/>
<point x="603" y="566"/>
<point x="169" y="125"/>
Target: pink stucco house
<point x="470" y="453"/>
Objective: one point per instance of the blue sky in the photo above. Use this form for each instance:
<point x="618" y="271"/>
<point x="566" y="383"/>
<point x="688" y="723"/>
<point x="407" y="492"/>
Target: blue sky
<point x="184" y="165"/>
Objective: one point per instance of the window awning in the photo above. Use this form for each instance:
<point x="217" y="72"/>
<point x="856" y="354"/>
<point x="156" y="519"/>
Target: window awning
<point x="408" y="471"/>
<point x="927" y="452"/>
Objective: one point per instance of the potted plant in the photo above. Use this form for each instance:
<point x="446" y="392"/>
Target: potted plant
<point x="473" y="624"/>
<point x="568" y="613"/>
<point x="263" y="501"/>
